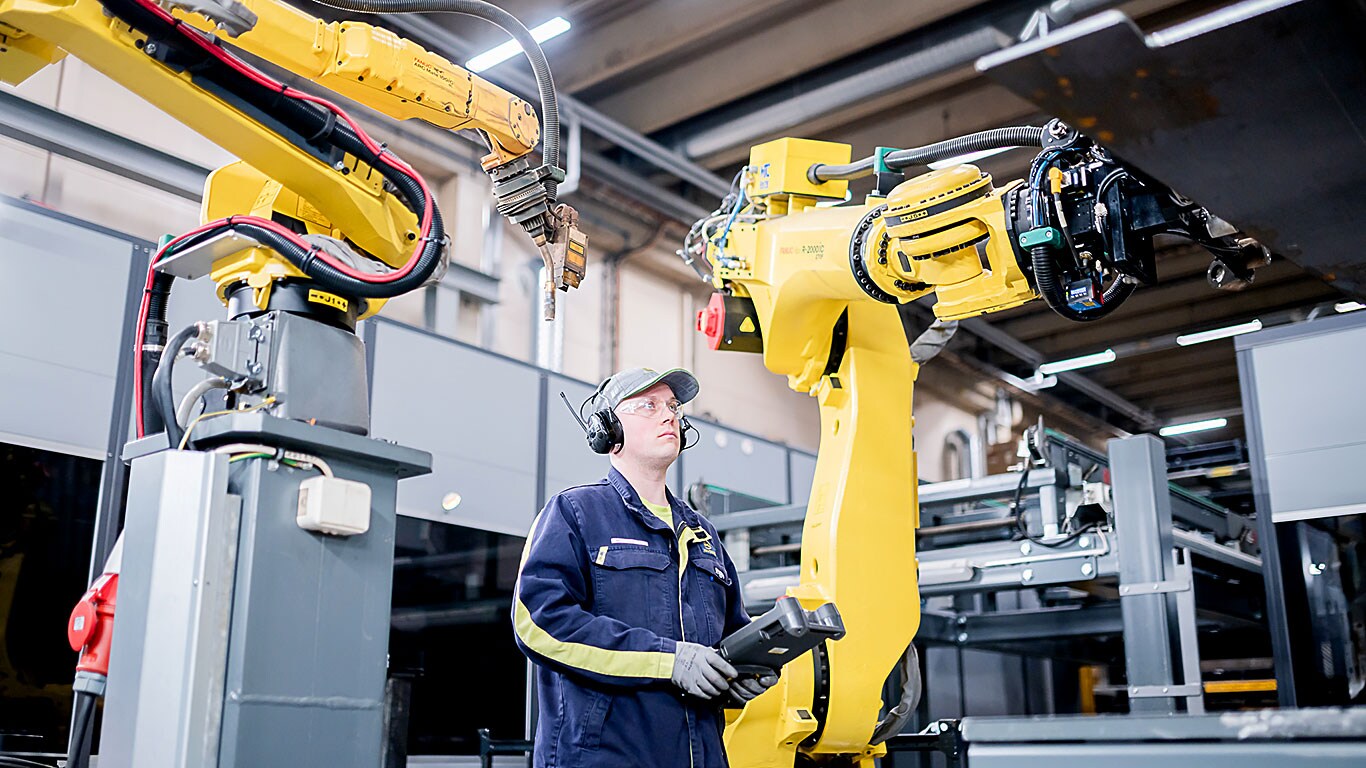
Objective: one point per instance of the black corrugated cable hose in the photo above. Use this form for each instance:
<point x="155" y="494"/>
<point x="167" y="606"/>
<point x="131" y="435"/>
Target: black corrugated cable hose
<point x="911" y="689"/>
<point x="550" y="110"/>
<point x="821" y="172"/>
<point x="996" y="138"/>
<point x="154" y="336"/>
<point x="163" y="399"/>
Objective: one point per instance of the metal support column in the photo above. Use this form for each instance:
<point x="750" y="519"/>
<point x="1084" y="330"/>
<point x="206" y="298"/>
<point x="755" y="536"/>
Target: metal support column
<point x="1143" y="528"/>
<point x="1187" y="629"/>
<point x="114" y="478"/>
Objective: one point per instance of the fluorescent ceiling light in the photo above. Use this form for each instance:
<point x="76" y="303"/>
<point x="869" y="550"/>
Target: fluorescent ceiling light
<point x="1032" y="384"/>
<point x="499" y="54"/>
<point x="1072" y="364"/>
<point x="1192" y="426"/>
<point x="1348" y="306"/>
<point x="1188" y="339"/>
<point x="968" y="158"/>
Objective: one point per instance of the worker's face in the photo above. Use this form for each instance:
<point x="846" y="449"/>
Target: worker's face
<point x="650" y="425"/>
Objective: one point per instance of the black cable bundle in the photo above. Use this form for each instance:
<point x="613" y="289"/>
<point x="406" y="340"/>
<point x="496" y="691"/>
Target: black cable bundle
<point x="78" y="753"/>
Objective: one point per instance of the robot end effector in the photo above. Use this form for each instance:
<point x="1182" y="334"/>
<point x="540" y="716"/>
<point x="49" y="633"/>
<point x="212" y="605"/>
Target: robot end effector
<point x="522" y="197"/>
<point x="1078" y="232"/>
<point x="1084" y="217"/>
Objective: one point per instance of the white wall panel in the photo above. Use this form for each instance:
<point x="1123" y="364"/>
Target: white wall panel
<point x="737" y="462"/>
<point x="62" y="325"/>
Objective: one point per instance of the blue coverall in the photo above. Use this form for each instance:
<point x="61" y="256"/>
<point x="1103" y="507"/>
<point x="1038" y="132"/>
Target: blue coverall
<point x="604" y="591"/>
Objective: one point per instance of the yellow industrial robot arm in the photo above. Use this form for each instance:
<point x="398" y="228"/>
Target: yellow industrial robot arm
<point x="815" y="285"/>
<point x="304" y="164"/>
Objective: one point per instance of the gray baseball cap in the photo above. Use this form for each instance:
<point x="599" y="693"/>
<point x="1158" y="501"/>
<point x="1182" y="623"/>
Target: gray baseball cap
<point x="633" y="381"/>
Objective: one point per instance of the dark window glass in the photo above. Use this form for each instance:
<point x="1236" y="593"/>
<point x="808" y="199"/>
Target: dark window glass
<point x="451" y="635"/>
<point x="47" y="521"/>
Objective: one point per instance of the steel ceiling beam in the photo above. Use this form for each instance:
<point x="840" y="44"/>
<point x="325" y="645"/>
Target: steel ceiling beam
<point x="1031" y="356"/>
<point x="64" y="135"/>
<point x="1101" y="394"/>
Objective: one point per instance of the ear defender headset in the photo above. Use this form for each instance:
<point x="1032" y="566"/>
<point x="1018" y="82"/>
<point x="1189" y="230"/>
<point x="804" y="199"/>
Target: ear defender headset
<point x="603" y="431"/>
<point x="603" y="426"/>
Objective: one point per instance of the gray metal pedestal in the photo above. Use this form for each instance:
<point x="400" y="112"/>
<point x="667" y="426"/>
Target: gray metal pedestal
<point x="242" y="639"/>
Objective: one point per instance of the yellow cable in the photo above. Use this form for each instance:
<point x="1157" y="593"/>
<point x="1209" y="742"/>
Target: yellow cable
<point x="185" y="439"/>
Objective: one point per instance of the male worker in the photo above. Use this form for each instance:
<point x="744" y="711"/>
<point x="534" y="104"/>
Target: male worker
<point x="623" y="595"/>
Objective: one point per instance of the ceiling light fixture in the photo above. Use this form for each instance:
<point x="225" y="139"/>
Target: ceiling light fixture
<point x="1348" y="306"/>
<point x="1032" y="384"/>
<point x="501" y="53"/>
<point x="1073" y="363"/>
<point x="1193" y="426"/>
<point x="450" y="501"/>
<point x="1188" y="339"/>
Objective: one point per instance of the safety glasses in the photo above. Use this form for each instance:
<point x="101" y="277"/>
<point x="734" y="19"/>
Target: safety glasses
<point x="650" y="408"/>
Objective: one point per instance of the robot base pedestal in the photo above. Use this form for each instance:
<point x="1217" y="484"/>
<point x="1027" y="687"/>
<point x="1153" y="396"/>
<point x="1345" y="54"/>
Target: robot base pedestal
<point x="241" y="638"/>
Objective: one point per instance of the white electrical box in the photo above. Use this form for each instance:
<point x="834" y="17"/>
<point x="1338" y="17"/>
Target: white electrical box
<point x="334" y="506"/>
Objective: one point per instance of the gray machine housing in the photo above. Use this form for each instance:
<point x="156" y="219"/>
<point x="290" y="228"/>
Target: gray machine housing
<point x="285" y="356"/>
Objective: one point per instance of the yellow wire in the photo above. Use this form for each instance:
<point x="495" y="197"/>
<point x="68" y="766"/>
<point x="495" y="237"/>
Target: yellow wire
<point x="185" y="439"/>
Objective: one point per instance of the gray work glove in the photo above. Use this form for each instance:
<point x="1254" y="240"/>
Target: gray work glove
<point x="746" y="688"/>
<point x="701" y="671"/>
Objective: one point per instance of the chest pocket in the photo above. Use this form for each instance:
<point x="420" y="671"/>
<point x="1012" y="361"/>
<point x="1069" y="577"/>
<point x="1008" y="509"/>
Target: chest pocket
<point x="709" y="582"/>
<point x="631" y="583"/>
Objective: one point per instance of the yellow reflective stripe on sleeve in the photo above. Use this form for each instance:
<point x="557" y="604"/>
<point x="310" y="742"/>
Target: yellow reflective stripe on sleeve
<point x="590" y="658"/>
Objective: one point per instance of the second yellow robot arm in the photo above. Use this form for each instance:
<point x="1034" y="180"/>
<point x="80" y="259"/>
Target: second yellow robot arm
<point x="377" y="68"/>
